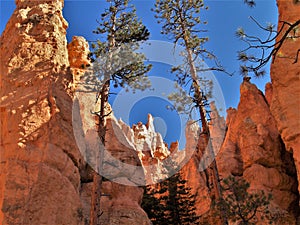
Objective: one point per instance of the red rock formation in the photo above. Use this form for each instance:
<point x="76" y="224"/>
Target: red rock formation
<point x="44" y="178"/>
<point x="285" y="77"/>
<point x="47" y="132"/>
<point x="150" y="147"/>
<point x="39" y="180"/>
<point x="121" y="169"/>
<point x="253" y="149"/>
<point x="78" y="50"/>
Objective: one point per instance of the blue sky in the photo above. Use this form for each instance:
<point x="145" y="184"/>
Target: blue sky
<point x="223" y="17"/>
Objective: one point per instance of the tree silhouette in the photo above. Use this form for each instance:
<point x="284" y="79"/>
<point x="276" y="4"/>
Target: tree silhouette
<point x="115" y="62"/>
<point x="170" y="202"/>
<point x="180" y="202"/>
<point x="181" y="22"/>
<point x="260" y="51"/>
<point x="153" y="203"/>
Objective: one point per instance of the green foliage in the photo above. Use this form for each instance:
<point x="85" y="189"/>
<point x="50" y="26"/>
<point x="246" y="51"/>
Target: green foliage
<point x="180" y="202"/>
<point x="115" y="54"/>
<point x="181" y="19"/>
<point x="181" y="22"/>
<point x="170" y="202"/>
<point x="241" y="206"/>
<point x="182" y="101"/>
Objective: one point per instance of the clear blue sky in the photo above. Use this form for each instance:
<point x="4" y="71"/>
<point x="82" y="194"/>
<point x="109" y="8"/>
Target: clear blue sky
<point x="223" y="17"/>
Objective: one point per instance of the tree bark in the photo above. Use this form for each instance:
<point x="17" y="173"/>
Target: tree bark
<point x="212" y="170"/>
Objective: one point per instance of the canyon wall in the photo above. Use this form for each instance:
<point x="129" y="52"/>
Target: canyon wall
<point x="285" y="83"/>
<point x="39" y="180"/>
<point x="262" y="142"/>
<point x="253" y="149"/>
<point x="48" y="135"/>
<point x="44" y="176"/>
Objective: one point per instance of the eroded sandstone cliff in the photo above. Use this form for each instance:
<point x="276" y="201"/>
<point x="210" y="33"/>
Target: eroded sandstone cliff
<point x="44" y="176"/>
<point x="285" y="83"/>
<point x="39" y="180"/>
<point x="48" y="135"/>
<point x="254" y="150"/>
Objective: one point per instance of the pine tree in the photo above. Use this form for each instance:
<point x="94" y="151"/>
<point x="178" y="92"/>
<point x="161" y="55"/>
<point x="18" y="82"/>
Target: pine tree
<point x="241" y="206"/>
<point x="170" y="202"/>
<point x="180" y="202"/>
<point x="116" y="62"/>
<point x="153" y="203"/>
<point x="181" y="21"/>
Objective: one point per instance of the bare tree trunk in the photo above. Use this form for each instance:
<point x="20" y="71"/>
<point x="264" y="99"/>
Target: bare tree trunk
<point x="212" y="171"/>
<point x="95" y="211"/>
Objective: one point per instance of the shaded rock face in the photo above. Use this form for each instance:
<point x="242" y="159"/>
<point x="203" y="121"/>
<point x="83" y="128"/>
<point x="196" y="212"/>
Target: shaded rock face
<point x="195" y="160"/>
<point x="44" y="177"/>
<point x="120" y="205"/>
<point x="47" y="135"/>
<point x="121" y="169"/>
<point x="253" y="149"/>
<point x="285" y="77"/>
<point x="39" y="180"/>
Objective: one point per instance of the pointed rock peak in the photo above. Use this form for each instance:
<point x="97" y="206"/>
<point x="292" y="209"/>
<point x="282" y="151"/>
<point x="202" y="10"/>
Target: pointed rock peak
<point x="269" y="92"/>
<point x="150" y="124"/>
<point x="174" y="147"/>
<point x="78" y="50"/>
<point x="213" y="106"/>
<point x="214" y="110"/>
<point x="247" y="86"/>
<point x="231" y="112"/>
<point x="121" y="121"/>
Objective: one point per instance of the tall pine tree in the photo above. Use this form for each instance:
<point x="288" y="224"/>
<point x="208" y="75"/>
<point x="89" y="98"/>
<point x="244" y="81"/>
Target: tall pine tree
<point x="181" y="21"/>
<point x="153" y="203"/>
<point x="170" y="201"/>
<point x="116" y="62"/>
<point x="180" y="203"/>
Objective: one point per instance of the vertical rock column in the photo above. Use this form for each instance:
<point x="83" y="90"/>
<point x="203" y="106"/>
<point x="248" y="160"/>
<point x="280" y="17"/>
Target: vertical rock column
<point x="252" y="149"/>
<point x="285" y="77"/>
<point x="39" y="176"/>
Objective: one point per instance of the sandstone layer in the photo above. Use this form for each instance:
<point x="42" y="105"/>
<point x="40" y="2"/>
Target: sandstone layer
<point x="45" y="177"/>
<point x="285" y="78"/>
<point x="39" y="180"/>
<point x="253" y="149"/>
<point x="121" y="167"/>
